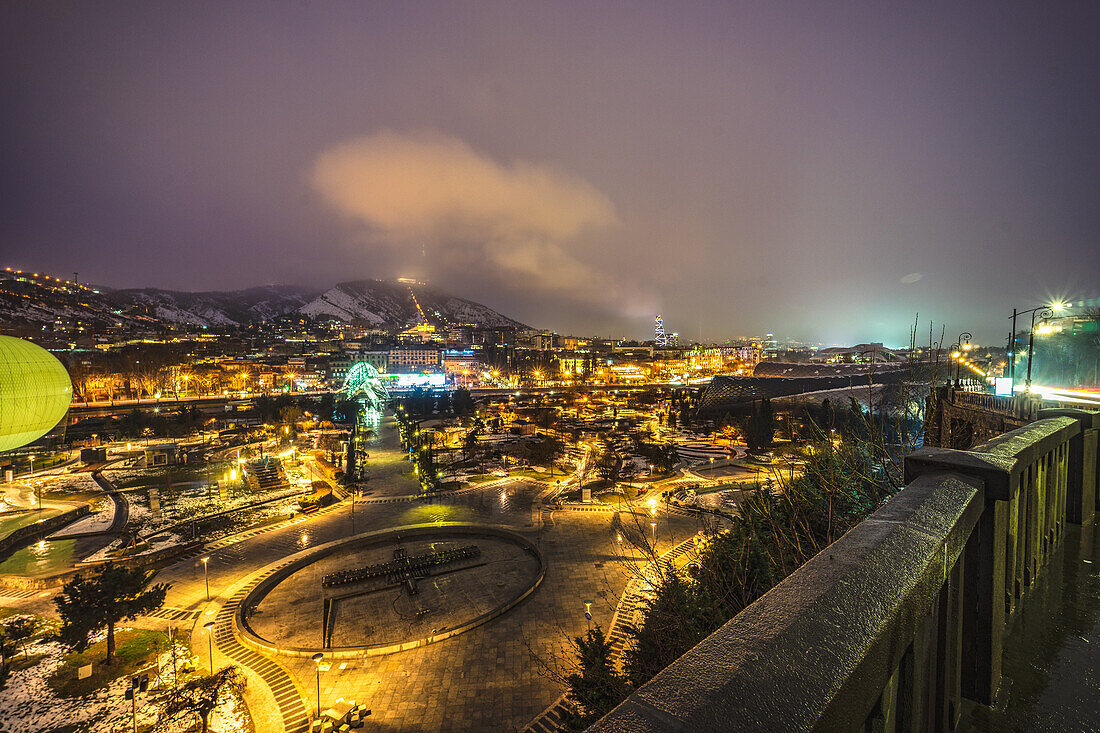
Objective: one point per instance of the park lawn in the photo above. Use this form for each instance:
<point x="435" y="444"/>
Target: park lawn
<point x="135" y="650"/>
<point x="40" y="464"/>
<point x="572" y="495"/>
<point x="25" y="662"/>
<point x="528" y="473"/>
<point x="629" y="493"/>
<point x="481" y="478"/>
<point x="159" y="476"/>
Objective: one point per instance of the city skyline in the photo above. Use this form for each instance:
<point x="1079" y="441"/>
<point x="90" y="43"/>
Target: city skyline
<point x="821" y="173"/>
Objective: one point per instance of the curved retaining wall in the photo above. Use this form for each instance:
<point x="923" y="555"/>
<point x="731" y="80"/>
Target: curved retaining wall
<point x="31" y="532"/>
<point x="268" y="582"/>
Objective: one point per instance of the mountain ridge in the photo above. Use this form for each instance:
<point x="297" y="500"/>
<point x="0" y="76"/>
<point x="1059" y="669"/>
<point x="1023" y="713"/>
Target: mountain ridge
<point x="36" y="305"/>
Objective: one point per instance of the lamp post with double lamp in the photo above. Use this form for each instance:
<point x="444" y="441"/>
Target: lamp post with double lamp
<point x="206" y="576"/>
<point x="317" y="663"/>
<point x="960" y="348"/>
<point x="209" y="626"/>
<point x="1046" y="311"/>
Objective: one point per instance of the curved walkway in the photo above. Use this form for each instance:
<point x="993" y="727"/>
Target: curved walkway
<point x="626" y="616"/>
<point x="122" y="504"/>
<point x="287" y="697"/>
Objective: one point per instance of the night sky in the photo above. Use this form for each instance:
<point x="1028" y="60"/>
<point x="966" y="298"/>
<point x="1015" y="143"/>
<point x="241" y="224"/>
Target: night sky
<point x="820" y="170"/>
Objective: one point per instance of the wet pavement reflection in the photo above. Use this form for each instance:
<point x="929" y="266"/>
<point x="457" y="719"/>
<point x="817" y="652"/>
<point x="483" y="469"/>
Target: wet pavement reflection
<point x="1051" y="675"/>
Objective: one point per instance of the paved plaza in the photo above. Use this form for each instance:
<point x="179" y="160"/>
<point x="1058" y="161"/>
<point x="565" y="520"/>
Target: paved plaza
<point x="486" y="679"/>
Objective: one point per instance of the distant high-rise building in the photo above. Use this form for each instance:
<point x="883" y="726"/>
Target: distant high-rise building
<point x="659" y="338"/>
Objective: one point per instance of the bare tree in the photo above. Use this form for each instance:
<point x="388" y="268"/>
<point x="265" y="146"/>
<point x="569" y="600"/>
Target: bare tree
<point x="200" y="696"/>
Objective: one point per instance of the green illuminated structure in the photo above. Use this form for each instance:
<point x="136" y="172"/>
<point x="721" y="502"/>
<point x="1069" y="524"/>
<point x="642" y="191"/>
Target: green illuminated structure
<point x="363" y="383"/>
<point x="35" y="392"/>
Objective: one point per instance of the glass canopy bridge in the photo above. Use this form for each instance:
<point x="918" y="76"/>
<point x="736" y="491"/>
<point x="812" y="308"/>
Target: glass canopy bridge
<point x="364" y="384"/>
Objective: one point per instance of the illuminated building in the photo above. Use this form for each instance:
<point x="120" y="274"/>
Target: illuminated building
<point x="413" y="359"/>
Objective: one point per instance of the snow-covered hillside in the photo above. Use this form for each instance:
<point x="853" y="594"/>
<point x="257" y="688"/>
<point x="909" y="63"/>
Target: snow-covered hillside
<point x="392" y="305"/>
<point x="28" y="307"/>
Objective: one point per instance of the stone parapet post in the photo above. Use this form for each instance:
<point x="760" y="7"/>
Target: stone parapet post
<point x="1082" y="479"/>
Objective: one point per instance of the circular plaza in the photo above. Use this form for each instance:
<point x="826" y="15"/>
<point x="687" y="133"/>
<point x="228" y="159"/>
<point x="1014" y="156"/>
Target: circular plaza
<point x="384" y="592"/>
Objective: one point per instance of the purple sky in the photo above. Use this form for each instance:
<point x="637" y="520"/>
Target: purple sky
<point x="820" y="170"/>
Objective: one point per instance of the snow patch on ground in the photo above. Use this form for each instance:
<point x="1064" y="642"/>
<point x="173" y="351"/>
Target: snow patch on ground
<point x="100" y="521"/>
<point x="28" y="704"/>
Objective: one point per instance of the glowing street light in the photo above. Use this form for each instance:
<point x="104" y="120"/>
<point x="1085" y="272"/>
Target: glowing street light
<point x="209" y="626"/>
<point x="963" y="344"/>
<point x="317" y="661"/>
<point x="206" y="577"/>
<point x="1045" y="311"/>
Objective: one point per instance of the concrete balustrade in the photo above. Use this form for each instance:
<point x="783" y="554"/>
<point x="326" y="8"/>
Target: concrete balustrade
<point x="898" y="625"/>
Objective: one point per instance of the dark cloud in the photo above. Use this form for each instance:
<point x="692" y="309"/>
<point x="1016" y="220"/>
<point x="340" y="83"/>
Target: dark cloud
<point x="740" y="167"/>
<point x="449" y="208"/>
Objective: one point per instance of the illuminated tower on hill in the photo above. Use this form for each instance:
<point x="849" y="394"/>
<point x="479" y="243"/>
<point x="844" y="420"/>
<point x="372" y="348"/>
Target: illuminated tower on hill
<point x="659" y="338"/>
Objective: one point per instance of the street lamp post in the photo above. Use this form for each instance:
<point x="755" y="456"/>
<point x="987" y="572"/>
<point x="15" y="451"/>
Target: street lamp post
<point x="653" y="525"/>
<point x="1044" y="313"/>
<point x="209" y="626"/>
<point x="354" y="491"/>
<point x="37" y="491"/>
<point x="588" y="613"/>
<point x="960" y="346"/>
<point x="1012" y="350"/>
<point x="317" y="662"/>
<point x="206" y="577"/>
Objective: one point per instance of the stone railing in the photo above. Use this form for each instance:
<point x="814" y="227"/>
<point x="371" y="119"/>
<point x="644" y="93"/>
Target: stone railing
<point x="956" y="418"/>
<point x="1021" y="406"/>
<point x="900" y="621"/>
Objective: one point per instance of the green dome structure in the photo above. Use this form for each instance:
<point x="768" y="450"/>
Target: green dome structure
<point x="35" y="392"/>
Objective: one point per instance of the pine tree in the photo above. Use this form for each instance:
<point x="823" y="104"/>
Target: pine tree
<point x="115" y="594"/>
<point x="598" y="687"/>
<point x="760" y="428"/>
<point x="678" y="618"/>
